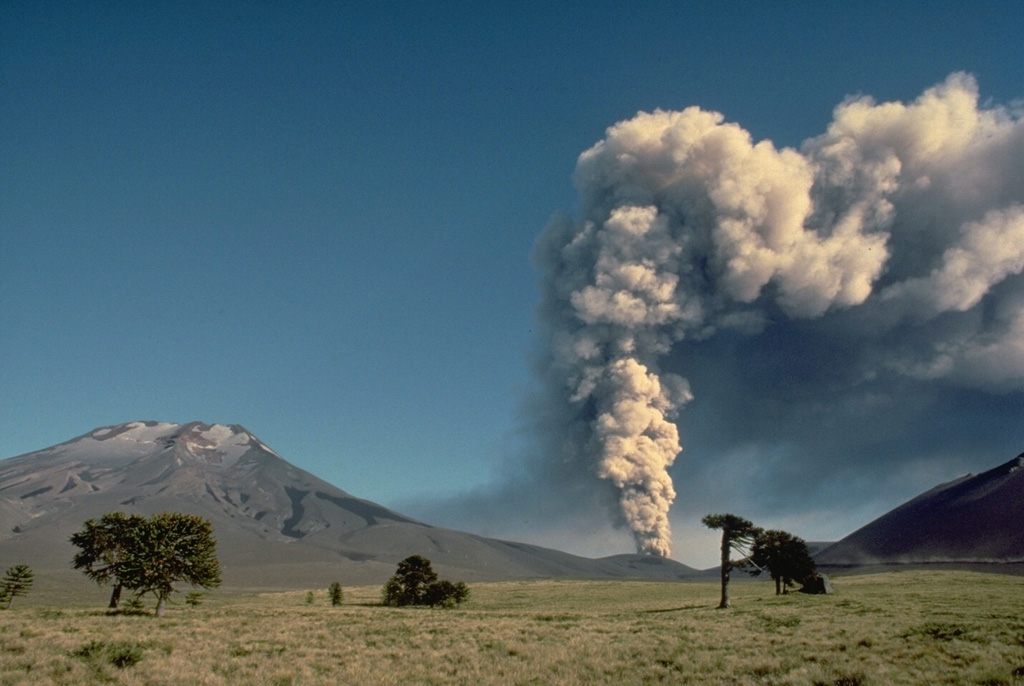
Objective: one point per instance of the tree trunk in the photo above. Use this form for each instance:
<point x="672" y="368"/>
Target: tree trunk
<point x="115" y="597"/>
<point x="160" y="606"/>
<point x="778" y="586"/>
<point x="726" y="568"/>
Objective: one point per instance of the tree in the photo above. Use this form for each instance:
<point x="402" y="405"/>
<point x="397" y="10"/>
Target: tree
<point x="784" y="556"/>
<point x="335" y="594"/>
<point x="173" y="547"/>
<point x="736" y="534"/>
<point x="103" y="545"/>
<point x="409" y="584"/>
<point x="416" y="583"/>
<point x="148" y="555"/>
<point x="444" y="593"/>
<point x="16" y="582"/>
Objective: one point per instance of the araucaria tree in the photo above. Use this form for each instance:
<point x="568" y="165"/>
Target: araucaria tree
<point x="409" y="584"/>
<point x="784" y="556"/>
<point x="176" y="547"/>
<point x="737" y="533"/>
<point x="103" y="546"/>
<point x="335" y="593"/>
<point x="16" y="582"/>
<point x="148" y="555"/>
<point x="416" y="583"/>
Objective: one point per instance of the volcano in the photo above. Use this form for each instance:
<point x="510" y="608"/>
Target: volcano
<point x="975" y="519"/>
<point x="276" y="525"/>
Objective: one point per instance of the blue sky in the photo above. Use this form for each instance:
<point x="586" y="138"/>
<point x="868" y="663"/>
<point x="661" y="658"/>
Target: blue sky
<point x="316" y="219"/>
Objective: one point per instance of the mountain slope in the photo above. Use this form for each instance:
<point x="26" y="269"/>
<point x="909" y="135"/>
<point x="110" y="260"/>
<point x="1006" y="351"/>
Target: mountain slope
<point x="973" y="519"/>
<point x="276" y="525"/>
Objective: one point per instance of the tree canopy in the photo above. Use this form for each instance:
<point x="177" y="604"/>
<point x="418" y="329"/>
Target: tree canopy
<point x="177" y="547"/>
<point x="148" y="555"/>
<point x="737" y="533"/>
<point x="103" y="547"/>
<point x="784" y="556"/>
<point x="409" y="584"/>
<point x="416" y="583"/>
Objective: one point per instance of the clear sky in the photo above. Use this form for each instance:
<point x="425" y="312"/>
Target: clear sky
<point x="315" y="219"/>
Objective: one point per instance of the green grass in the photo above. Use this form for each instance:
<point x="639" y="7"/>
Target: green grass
<point x="896" y="628"/>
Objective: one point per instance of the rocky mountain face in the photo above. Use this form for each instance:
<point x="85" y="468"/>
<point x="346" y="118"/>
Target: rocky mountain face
<point x="277" y="526"/>
<point x="975" y="519"/>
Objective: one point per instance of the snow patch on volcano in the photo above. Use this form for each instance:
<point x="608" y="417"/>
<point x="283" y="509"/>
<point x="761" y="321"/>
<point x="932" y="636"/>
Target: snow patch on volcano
<point x="146" y="432"/>
<point x="219" y="433"/>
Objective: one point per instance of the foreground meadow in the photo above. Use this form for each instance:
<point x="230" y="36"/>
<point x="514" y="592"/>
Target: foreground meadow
<point x="893" y="628"/>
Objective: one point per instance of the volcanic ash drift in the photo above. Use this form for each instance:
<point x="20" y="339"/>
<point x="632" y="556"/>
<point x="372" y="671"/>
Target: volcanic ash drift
<point x="687" y="228"/>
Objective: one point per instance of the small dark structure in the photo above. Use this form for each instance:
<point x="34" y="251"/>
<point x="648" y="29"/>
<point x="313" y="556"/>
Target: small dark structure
<point x="817" y="584"/>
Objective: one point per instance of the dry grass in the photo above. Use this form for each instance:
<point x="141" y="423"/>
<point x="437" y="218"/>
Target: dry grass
<point x="895" y="628"/>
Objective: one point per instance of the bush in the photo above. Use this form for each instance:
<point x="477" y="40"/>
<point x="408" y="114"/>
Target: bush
<point x="335" y="594"/>
<point x="134" y="606"/>
<point x="444" y="593"/>
<point x="391" y="593"/>
<point x="120" y="654"/>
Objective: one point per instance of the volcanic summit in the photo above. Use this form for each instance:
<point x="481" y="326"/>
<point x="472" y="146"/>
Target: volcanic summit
<point x="276" y="525"/>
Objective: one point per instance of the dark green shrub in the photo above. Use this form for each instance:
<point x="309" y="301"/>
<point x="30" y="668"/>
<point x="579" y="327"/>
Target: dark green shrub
<point x="335" y="594"/>
<point x="120" y="654"/>
<point x="134" y="606"/>
<point x="391" y="593"/>
<point x="444" y="593"/>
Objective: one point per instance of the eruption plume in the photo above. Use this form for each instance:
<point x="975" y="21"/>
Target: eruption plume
<point x="910" y="215"/>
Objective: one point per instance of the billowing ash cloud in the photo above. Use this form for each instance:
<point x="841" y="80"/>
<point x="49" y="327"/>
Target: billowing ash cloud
<point x="886" y="252"/>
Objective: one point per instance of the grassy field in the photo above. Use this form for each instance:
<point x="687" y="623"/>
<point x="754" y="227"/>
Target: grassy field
<point x="893" y="628"/>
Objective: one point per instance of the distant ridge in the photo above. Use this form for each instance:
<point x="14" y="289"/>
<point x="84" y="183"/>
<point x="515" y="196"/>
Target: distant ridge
<point x="976" y="519"/>
<point x="277" y="526"/>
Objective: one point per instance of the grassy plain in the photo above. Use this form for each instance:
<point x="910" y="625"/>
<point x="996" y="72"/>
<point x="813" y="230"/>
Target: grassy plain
<point x="908" y="627"/>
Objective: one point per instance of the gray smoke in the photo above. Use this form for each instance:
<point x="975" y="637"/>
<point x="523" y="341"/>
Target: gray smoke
<point x="895" y="239"/>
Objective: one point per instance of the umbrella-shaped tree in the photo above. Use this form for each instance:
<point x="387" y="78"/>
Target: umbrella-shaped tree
<point x="737" y="533"/>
